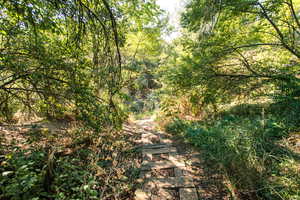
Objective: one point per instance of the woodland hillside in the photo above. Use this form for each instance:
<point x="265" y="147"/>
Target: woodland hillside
<point x="77" y="76"/>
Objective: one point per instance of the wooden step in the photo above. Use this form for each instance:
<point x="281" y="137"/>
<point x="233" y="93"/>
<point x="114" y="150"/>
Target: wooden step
<point x="161" y="164"/>
<point x="160" y="150"/>
<point x="166" y="141"/>
<point x="156" y="146"/>
<point x="188" y="194"/>
<point x="179" y="171"/>
<point x="157" y="194"/>
<point x="142" y="195"/>
<point x="170" y="182"/>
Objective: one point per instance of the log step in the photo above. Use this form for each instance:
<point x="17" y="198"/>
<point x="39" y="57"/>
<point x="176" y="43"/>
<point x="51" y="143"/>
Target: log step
<point x="170" y="182"/>
<point x="161" y="165"/>
<point x="159" y="151"/>
<point x="188" y="194"/>
<point x="156" y="146"/>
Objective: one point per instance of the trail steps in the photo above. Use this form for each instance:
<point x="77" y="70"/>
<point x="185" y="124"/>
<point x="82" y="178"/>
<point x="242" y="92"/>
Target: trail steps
<point x="163" y="174"/>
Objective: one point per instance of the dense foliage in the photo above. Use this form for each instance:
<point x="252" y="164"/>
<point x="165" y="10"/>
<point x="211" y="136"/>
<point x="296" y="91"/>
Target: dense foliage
<point x="231" y="88"/>
<point x="237" y="48"/>
<point x="255" y="153"/>
<point x="67" y="64"/>
<point x="72" y="71"/>
<point x="59" y="57"/>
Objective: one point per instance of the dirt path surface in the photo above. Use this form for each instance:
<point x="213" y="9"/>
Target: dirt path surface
<point x="171" y="170"/>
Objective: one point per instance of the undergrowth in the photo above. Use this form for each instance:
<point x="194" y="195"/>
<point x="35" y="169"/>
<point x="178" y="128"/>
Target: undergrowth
<point x="74" y="165"/>
<point x="253" y="146"/>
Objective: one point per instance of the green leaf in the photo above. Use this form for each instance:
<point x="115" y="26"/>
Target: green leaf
<point x="7" y="173"/>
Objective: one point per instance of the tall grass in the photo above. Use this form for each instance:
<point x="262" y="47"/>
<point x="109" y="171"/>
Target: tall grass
<point x="247" y="144"/>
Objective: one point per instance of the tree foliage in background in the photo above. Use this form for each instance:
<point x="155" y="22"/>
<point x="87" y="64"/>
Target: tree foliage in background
<point x="61" y="56"/>
<point x="232" y="57"/>
<point x="238" y="48"/>
<point x="142" y="56"/>
<point x="70" y="60"/>
<point x="64" y="56"/>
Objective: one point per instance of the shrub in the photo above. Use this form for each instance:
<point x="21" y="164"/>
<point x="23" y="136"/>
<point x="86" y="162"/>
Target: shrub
<point x="248" y="150"/>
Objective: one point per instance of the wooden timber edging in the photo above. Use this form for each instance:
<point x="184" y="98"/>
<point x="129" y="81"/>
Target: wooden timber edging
<point x="154" y="188"/>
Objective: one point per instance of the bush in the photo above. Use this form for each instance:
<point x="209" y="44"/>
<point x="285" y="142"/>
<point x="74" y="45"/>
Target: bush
<point x="22" y="176"/>
<point x="248" y="150"/>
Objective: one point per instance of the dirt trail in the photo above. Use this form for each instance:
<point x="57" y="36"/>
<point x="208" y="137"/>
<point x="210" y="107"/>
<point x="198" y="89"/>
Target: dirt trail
<point x="171" y="170"/>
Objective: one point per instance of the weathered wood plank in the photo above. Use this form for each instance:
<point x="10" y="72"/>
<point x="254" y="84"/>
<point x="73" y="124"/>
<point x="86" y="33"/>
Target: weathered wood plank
<point x="159" y="151"/>
<point x="170" y="182"/>
<point x="156" y="146"/>
<point x="179" y="171"/>
<point x="161" y="165"/>
<point x="188" y="194"/>
<point x="142" y="195"/>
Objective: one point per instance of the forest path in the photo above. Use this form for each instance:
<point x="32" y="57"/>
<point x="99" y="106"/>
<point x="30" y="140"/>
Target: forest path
<point x="171" y="170"/>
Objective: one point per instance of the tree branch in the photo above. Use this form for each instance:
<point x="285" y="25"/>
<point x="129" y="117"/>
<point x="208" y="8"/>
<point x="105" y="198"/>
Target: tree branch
<point x="284" y="78"/>
<point x="115" y="31"/>
<point x="293" y="12"/>
<point x="280" y="34"/>
<point x="13" y="80"/>
<point x="253" y="45"/>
